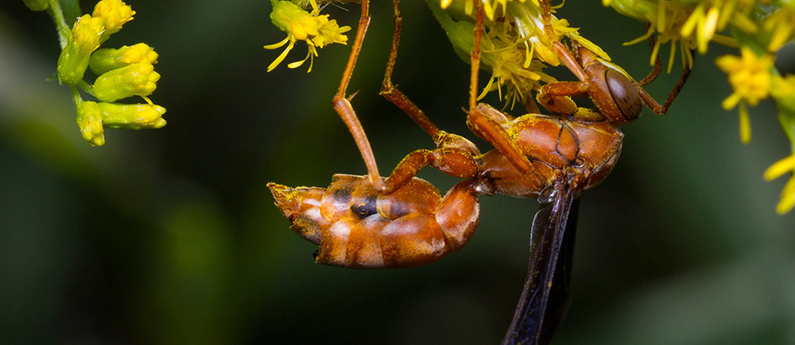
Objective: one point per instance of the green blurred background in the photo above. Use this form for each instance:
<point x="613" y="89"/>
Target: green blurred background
<point x="170" y="236"/>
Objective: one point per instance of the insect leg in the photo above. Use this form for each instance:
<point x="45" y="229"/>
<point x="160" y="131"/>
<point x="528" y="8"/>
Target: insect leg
<point x="650" y="102"/>
<point x="490" y="124"/>
<point x="479" y="123"/>
<point x="454" y="154"/>
<point x="662" y="109"/>
<point x="475" y="57"/>
<point x="343" y="106"/>
<point x="454" y="161"/>
<point x="657" y="63"/>
<point x="391" y="92"/>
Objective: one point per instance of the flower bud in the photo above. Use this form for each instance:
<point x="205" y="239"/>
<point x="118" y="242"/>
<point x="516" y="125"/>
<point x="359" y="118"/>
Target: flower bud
<point x="114" y="14"/>
<point x="104" y="60"/>
<point x="133" y="80"/>
<point x="74" y="57"/>
<point x="89" y="118"/>
<point x="37" y="5"/>
<point x="132" y="116"/>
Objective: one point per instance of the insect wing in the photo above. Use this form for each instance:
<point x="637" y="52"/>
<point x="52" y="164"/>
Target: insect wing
<point x="546" y="289"/>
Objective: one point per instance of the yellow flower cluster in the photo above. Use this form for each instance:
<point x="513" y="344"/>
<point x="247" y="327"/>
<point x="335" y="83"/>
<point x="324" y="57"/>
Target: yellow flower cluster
<point x="122" y="73"/>
<point x="516" y="46"/>
<point x="749" y="75"/>
<point x="301" y="25"/>
<point x="758" y="27"/>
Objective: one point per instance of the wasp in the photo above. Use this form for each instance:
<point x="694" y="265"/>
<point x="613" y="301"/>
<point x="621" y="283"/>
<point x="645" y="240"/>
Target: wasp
<point x="404" y="221"/>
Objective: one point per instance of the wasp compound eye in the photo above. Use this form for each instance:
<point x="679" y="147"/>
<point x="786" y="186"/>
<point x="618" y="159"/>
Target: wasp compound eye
<point x="624" y="94"/>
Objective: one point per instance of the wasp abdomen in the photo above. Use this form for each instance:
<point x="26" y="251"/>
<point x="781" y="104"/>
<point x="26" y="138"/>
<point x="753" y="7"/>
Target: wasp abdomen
<point x="356" y="226"/>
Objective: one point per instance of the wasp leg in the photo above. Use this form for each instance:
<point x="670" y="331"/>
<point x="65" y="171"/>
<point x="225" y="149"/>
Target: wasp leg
<point x="650" y="102"/>
<point x="343" y="106"/>
<point x="556" y="97"/>
<point x="490" y="125"/>
<point x="364" y="23"/>
<point x="454" y="155"/>
<point x="657" y="63"/>
<point x="662" y="109"/>
<point x="482" y="125"/>
<point x="391" y="92"/>
<point x="475" y="57"/>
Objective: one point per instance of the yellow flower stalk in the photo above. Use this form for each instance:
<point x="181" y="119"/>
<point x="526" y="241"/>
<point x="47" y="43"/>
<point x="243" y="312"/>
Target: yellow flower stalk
<point x="114" y="14"/>
<point x="134" y="80"/>
<point x="85" y="39"/>
<point x="106" y="59"/>
<point x="300" y="25"/>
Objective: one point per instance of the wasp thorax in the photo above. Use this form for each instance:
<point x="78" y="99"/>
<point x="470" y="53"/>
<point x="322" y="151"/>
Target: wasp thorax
<point x="625" y="95"/>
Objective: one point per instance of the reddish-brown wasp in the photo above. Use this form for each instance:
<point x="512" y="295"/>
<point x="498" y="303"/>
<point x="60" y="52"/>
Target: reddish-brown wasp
<point x="403" y="221"/>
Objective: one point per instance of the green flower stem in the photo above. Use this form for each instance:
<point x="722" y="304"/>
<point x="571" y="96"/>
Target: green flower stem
<point x="56" y="13"/>
<point x="76" y="95"/>
<point x="89" y="89"/>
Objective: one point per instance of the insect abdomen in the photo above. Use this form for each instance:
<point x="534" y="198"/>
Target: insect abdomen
<point x="355" y="226"/>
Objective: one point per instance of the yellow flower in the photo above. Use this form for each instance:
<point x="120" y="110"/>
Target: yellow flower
<point x="85" y="39"/>
<point x="693" y="23"/>
<point x="749" y="76"/>
<point x="134" y="80"/>
<point x="132" y="116"/>
<point x="89" y="119"/>
<point x="511" y="66"/>
<point x="779" y="25"/>
<point x="515" y="46"/>
<point x="786" y="165"/>
<point x="490" y="7"/>
<point x="104" y="60"/>
<point x="311" y="27"/>
<point x="114" y="14"/>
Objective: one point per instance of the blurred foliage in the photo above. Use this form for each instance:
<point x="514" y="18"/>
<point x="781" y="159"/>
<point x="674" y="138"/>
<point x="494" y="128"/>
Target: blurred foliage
<point x="171" y="236"/>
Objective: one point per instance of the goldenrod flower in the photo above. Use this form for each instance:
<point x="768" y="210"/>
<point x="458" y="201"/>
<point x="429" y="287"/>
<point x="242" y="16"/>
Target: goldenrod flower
<point x="114" y="13"/>
<point x="132" y="116"/>
<point x="134" y="80"/>
<point x="311" y="27"/>
<point x="751" y="79"/>
<point x="510" y="66"/>
<point x="104" y="60"/>
<point x="89" y="118"/>
<point x="786" y="165"/>
<point x="693" y="23"/>
<point x="85" y="39"/>
<point x="779" y="25"/>
<point x="490" y="7"/>
<point x="749" y="75"/>
<point x="37" y="5"/>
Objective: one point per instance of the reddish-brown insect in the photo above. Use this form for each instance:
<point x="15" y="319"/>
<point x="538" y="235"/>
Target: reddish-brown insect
<point x="367" y="222"/>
